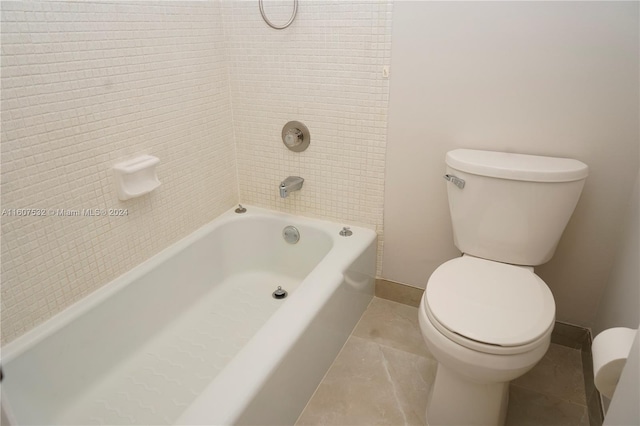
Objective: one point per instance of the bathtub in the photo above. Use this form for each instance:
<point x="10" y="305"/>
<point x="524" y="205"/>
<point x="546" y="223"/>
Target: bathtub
<point x="194" y="336"/>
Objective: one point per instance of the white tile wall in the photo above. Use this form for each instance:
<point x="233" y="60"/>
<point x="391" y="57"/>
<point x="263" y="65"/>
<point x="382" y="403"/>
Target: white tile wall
<point x="325" y="70"/>
<point x="87" y="84"/>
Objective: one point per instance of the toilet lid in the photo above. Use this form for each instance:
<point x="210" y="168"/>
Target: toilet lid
<point x="490" y="302"/>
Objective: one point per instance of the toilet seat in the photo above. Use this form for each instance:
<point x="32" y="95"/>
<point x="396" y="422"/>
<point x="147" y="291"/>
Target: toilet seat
<point x="489" y="306"/>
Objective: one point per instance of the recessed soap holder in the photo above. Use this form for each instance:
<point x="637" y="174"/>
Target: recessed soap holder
<point x="136" y="177"/>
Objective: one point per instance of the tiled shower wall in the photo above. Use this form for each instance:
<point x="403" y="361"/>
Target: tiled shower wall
<point x="88" y="84"/>
<point x="85" y="85"/>
<point x="326" y="71"/>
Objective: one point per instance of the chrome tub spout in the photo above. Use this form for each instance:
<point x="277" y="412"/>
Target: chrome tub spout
<point x="290" y="184"/>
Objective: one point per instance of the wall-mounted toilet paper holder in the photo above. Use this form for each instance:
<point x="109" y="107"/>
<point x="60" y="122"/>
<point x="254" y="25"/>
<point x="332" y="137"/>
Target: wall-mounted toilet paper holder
<point x="610" y="349"/>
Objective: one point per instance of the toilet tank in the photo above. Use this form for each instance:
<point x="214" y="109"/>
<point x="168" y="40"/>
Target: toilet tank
<point x="513" y="208"/>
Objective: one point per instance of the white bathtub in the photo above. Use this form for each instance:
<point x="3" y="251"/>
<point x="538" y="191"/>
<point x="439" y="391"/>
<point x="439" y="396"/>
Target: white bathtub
<point x="193" y="335"/>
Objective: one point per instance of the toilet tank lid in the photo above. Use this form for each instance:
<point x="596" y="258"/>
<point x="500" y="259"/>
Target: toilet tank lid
<point x="533" y="168"/>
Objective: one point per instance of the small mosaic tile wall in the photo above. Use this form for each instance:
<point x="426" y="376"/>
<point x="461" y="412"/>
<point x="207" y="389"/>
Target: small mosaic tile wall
<point x="325" y="70"/>
<point x="204" y="86"/>
<point x="86" y="85"/>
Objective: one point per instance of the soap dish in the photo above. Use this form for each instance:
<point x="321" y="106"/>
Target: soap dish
<point x="136" y="177"/>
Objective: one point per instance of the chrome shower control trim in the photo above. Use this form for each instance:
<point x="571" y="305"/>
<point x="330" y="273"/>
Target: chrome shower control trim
<point x="296" y="136"/>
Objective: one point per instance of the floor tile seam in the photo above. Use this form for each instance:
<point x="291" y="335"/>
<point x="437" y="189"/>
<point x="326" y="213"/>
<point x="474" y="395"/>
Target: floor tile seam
<point x="399" y="349"/>
<point x="385" y="364"/>
<point x="326" y="373"/>
<point x="550" y="395"/>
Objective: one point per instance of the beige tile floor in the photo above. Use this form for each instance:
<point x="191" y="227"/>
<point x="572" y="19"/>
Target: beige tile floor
<point x="383" y="374"/>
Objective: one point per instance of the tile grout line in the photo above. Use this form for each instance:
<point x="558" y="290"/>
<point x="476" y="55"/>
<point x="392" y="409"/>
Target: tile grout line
<point x="385" y="363"/>
<point x="334" y="361"/>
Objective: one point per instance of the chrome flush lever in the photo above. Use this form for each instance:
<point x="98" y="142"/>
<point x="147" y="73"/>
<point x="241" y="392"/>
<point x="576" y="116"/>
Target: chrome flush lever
<point x="455" y="180"/>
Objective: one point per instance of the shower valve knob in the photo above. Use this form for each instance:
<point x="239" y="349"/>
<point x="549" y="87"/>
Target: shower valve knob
<point x="293" y="138"/>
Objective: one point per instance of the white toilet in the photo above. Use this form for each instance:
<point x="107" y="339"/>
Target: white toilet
<point x="486" y="316"/>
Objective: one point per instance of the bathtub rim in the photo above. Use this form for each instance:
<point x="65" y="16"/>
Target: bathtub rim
<point x="31" y="338"/>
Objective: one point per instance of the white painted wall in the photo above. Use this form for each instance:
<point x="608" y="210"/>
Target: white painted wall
<point x="619" y="304"/>
<point x="619" y="308"/>
<point x="547" y="78"/>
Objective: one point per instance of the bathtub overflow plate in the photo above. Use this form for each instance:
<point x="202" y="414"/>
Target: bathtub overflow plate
<point x="291" y="234"/>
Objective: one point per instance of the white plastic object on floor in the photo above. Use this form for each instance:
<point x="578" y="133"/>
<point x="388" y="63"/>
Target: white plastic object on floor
<point x="610" y="349"/>
<point x="136" y="177"/>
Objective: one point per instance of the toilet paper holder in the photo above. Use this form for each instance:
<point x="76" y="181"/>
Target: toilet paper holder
<point x="610" y="350"/>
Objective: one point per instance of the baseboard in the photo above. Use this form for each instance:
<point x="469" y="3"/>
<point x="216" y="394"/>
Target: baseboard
<point x="401" y="293"/>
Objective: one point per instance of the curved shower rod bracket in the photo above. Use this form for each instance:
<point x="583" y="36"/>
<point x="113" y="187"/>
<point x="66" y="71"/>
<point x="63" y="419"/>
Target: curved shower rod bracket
<point x="276" y="27"/>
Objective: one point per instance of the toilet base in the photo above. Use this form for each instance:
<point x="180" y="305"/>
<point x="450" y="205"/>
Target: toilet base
<point x="455" y="400"/>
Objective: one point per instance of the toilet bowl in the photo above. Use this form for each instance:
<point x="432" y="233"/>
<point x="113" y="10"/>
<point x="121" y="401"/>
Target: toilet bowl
<point x="487" y="317"/>
<point x="482" y="339"/>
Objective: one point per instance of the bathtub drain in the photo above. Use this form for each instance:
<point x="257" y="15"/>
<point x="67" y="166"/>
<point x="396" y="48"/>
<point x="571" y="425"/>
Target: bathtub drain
<point x="279" y="293"/>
